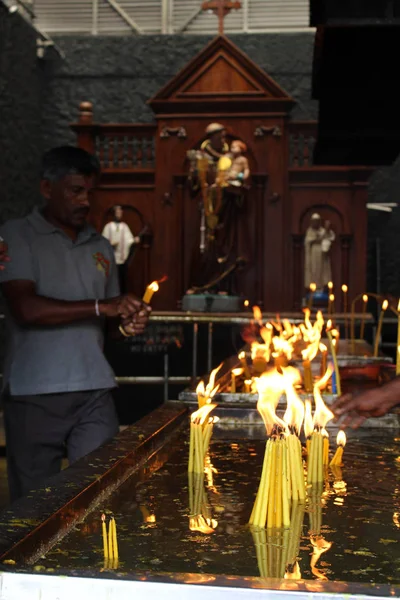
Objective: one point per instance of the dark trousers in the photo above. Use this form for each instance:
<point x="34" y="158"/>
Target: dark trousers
<point x="40" y="430"/>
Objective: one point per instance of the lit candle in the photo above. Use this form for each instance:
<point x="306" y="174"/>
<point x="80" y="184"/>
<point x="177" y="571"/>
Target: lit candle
<point x="364" y="311"/>
<point x="246" y="303"/>
<point x="330" y="286"/>
<point x="113" y="526"/>
<point x="398" y="340"/>
<point x="308" y="378"/>
<point x="331" y="304"/>
<point x="243" y="360"/>
<point x="150" y="291"/>
<point x="324" y="358"/>
<point x="341" y="442"/>
<point x="247" y="386"/>
<point x="313" y="288"/>
<point x="345" y="289"/>
<point x="333" y="349"/>
<point x="235" y="373"/>
<point x="385" y="304"/>
<point x="105" y="541"/>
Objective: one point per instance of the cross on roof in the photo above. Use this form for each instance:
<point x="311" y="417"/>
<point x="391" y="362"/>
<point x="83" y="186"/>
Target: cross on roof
<point x="221" y="8"/>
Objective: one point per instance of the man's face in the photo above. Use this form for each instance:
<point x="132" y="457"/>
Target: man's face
<point x="68" y="199"/>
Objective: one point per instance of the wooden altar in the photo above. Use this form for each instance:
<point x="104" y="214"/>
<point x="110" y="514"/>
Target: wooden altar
<point x="145" y="166"/>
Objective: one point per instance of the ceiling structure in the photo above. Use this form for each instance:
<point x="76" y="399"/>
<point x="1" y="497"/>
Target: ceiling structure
<point x="94" y="17"/>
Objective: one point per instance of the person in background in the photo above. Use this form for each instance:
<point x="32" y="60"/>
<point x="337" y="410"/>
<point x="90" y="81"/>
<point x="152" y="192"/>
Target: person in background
<point x="353" y="410"/>
<point x="121" y="239"/>
<point x="59" y="287"/>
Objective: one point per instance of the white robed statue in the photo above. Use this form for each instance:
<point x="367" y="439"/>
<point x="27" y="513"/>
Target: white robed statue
<point x="122" y="240"/>
<point x="317" y="243"/>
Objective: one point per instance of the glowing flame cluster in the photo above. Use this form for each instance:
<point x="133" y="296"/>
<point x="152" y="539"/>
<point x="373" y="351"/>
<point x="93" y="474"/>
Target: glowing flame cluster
<point x="206" y="393"/>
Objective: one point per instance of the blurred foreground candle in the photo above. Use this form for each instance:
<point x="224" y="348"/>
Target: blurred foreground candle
<point x="341" y="442"/>
<point x="247" y="386"/>
<point x="398" y="340"/>
<point x="345" y="289"/>
<point x="313" y="289"/>
<point x="235" y="373"/>
<point x="385" y="304"/>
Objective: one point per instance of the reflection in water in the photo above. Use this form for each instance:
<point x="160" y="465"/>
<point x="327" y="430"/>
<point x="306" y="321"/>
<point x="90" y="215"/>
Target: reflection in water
<point x="200" y="509"/>
<point x="277" y="550"/>
<point x="357" y="515"/>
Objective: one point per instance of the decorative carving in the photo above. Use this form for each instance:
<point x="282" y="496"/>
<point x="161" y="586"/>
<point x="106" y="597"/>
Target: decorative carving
<point x="263" y="131"/>
<point x="167" y="132"/>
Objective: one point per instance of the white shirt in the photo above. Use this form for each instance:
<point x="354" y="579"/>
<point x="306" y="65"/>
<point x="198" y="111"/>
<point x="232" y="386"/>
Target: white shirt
<point x="121" y="239"/>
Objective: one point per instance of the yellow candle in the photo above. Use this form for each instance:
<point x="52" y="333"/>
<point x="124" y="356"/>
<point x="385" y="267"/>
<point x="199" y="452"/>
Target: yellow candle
<point x="235" y="373"/>
<point x="324" y="358"/>
<point x="313" y="288"/>
<point x="308" y="379"/>
<point x="332" y="346"/>
<point x="114" y="536"/>
<point x="110" y="541"/>
<point x="150" y="291"/>
<point x="341" y="442"/>
<point x="331" y="304"/>
<point x="105" y="542"/>
<point x="398" y="340"/>
<point x="345" y="289"/>
<point x="364" y="310"/>
<point x="385" y="304"/>
<point x="247" y="386"/>
<point x="243" y="360"/>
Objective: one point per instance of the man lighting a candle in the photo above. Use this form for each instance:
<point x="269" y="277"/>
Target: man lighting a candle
<point x="353" y="410"/>
<point x="59" y="286"/>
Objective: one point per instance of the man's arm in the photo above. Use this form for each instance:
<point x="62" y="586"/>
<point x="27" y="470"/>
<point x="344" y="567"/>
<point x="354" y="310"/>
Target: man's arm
<point x="30" y="309"/>
<point x="354" y="410"/>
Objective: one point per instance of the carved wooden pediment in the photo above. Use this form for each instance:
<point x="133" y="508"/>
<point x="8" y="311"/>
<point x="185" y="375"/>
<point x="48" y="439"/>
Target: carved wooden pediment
<point x="221" y="79"/>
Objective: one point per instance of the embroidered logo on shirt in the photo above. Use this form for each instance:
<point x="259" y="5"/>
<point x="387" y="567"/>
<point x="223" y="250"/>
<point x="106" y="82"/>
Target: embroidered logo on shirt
<point x="102" y="264"/>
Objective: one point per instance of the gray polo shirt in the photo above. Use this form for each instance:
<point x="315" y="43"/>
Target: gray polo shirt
<point x="67" y="358"/>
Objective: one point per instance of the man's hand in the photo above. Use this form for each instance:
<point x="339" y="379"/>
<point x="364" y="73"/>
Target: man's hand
<point x="353" y="410"/>
<point x="136" y="324"/>
<point x="125" y="307"/>
<point x="3" y="254"/>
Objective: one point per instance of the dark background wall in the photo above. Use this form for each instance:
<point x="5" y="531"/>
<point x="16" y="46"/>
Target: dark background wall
<point x="40" y="98"/>
<point x="20" y="115"/>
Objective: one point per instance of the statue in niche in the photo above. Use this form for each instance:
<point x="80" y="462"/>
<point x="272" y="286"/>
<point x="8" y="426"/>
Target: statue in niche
<point x="317" y="245"/>
<point x="122" y="240"/>
<point x="219" y="177"/>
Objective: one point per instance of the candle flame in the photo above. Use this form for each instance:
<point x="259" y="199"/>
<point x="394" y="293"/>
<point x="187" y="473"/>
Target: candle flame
<point x="211" y="388"/>
<point x="154" y="286"/>
<point x="308" y="420"/>
<point x="329" y="325"/>
<point x="332" y="297"/>
<point x="313" y="287"/>
<point x="323" y="348"/>
<point x="237" y="372"/>
<point x="200" y="524"/>
<point x="246" y="303"/>
<point x="341" y="439"/>
<point x="330" y="285"/>
<point x="385" y="304"/>
<point x="257" y="314"/>
<point x="270" y="387"/>
<point x="199" y="416"/>
<point x="294" y="573"/>
<point x="294" y="414"/>
<point x="322" y="414"/>
<point x="242" y="355"/>
<point x="345" y="288"/>
<point x="365" y="298"/>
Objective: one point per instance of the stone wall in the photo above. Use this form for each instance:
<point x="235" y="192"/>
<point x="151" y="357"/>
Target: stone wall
<point x="20" y="115"/>
<point x="119" y="74"/>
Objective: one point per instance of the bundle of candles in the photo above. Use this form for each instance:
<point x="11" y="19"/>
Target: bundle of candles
<point x="200" y="511"/>
<point x="282" y="480"/>
<point x="283" y="342"/>
<point x="110" y="542"/>
<point x="201" y="424"/>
